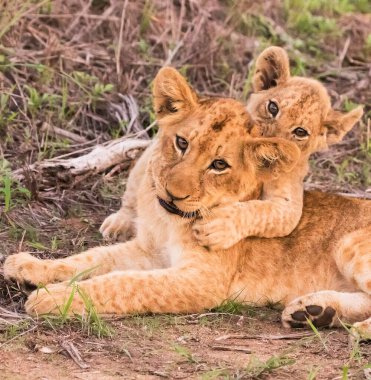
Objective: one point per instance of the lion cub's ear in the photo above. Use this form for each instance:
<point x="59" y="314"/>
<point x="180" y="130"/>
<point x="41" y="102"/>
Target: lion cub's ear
<point x="271" y="69"/>
<point x="172" y="95"/>
<point x="339" y="123"/>
<point x="274" y="155"/>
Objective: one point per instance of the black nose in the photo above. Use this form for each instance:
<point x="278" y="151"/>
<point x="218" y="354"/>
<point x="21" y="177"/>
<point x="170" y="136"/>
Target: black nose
<point x="174" y="198"/>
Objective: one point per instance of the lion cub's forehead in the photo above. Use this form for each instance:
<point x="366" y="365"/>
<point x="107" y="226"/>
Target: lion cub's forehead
<point x="219" y="124"/>
<point x="304" y="94"/>
<point x="219" y="116"/>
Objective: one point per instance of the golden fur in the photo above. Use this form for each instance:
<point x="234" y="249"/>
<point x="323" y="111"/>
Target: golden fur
<point x="302" y="103"/>
<point x="322" y="271"/>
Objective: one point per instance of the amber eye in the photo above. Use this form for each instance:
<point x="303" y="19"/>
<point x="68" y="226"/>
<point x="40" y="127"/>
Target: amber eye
<point x="273" y="108"/>
<point x="181" y="143"/>
<point x="219" y="165"/>
<point x="300" y="132"/>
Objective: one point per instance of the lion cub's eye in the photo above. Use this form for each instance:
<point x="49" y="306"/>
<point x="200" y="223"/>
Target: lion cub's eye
<point x="181" y="143"/>
<point x="273" y="108"/>
<point x="219" y="165"/>
<point x="300" y="133"/>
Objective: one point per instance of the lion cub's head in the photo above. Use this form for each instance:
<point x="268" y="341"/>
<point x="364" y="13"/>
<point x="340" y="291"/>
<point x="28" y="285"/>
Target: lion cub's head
<point x="205" y="154"/>
<point x="295" y="108"/>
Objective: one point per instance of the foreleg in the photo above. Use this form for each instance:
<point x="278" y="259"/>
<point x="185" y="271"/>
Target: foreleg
<point x="24" y="268"/>
<point x="173" y="290"/>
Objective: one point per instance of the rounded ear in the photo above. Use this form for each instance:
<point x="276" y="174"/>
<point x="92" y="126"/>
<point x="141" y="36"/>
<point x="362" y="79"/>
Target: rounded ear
<point x="271" y="69"/>
<point x="338" y="124"/>
<point x="274" y="155"/>
<point x="172" y="95"/>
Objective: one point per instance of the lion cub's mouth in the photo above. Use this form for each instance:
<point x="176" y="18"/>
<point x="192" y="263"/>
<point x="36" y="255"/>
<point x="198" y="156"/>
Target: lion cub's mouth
<point x="173" y="209"/>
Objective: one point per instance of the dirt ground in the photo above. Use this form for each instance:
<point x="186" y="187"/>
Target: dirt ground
<point x="186" y="347"/>
<point x="77" y="73"/>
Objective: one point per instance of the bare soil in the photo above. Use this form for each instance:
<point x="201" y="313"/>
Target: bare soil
<point x="182" y="347"/>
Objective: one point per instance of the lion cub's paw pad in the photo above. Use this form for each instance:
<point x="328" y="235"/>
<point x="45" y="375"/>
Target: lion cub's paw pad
<point x="319" y="316"/>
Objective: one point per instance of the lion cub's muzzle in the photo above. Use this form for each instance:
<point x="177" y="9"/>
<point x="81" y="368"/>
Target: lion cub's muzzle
<point x="173" y="209"/>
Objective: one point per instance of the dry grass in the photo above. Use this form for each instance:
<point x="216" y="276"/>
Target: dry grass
<point x="75" y="73"/>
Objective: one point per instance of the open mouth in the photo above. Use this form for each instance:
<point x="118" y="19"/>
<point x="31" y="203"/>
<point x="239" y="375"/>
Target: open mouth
<point x="171" y="207"/>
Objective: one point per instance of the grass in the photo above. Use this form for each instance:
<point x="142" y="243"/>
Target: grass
<point x="233" y="306"/>
<point x="214" y="374"/>
<point x="11" y="191"/>
<point x="91" y="323"/>
<point x="185" y="353"/>
<point x="317" y="334"/>
<point x="256" y="368"/>
<point x="15" y="329"/>
<point x="152" y="324"/>
<point x="313" y="372"/>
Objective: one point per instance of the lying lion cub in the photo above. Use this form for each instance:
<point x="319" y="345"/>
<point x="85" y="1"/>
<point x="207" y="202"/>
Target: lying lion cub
<point x="297" y="109"/>
<point x="205" y="155"/>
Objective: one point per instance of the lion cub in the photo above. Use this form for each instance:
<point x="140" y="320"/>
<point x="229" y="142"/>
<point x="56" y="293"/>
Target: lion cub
<point x="295" y="108"/>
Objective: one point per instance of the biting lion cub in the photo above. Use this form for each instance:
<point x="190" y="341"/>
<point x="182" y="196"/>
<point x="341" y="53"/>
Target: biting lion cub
<point x="204" y="156"/>
<point x="297" y="109"/>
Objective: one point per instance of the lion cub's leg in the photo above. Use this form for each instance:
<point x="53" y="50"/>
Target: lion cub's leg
<point x="362" y="330"/>
<point x="172" y="290"/>
<point x="353" y="258"/>
<point x="327" y="308"/>
<point x="121" y="224"/>
<point x="24" y="268"/>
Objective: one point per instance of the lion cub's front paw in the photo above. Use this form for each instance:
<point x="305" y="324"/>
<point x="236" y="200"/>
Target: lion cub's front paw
<point x="315" y="307"/>
<point x="118" y="226"/>
<point x="55" y="299"/>
<point x="221" y="230"/>
<point x="25" y="269"/>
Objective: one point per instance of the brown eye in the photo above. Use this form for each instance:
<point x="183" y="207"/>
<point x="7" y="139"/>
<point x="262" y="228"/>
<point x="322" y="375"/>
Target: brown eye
<point x="181" y="143"/>
<point x="273" y="108"/>
<point x="219" y="165"/>
<point x="300" y="132"/>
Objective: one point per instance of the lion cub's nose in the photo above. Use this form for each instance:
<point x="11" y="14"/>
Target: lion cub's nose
<point x="175" y="198"/>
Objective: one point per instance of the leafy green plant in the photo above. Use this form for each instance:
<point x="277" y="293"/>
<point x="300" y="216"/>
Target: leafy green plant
<point x="11" y="192"/>
<point x="36" y="101"/>
<point x="6" y="116"/>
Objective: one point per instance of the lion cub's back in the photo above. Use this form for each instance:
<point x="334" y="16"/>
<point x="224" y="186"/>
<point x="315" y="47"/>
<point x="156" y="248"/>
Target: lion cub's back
<point x="281" y="268"/>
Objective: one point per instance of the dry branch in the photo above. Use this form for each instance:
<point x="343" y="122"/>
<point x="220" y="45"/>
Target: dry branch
<point x="101" y="158"/>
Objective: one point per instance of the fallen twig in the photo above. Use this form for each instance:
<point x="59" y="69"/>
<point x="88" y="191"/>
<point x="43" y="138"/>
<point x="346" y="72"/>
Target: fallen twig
<point x="74" y="353"/>
<point x="265" y="337"/>
<point x="232" y="348"/>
